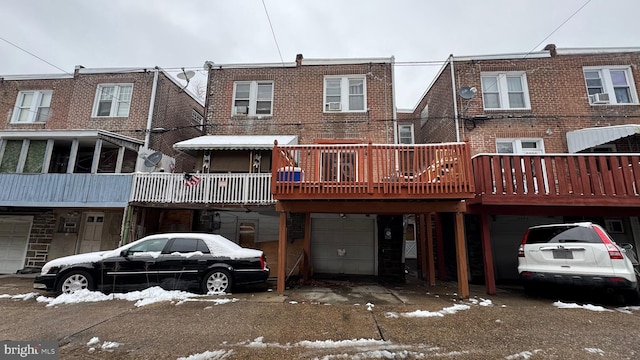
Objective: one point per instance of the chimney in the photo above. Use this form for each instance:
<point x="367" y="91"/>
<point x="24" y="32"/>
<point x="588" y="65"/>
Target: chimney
<point x="298" y="60"/>
<point x="552" y="49"/>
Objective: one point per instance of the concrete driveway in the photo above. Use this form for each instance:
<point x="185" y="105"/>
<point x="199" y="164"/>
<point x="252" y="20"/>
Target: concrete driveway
<point x="328" y="320"/>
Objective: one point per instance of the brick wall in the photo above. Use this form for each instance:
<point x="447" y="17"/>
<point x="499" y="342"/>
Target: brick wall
<point x="558" y="95"/>
<point x="298" y="103"/>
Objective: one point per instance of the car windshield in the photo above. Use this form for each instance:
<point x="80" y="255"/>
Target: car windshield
<point x="562" y="234"/>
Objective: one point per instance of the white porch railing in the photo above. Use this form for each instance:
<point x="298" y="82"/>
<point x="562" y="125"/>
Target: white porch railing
<point x="212" y="189"/>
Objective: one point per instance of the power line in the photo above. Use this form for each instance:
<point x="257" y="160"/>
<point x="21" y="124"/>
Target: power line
<point x="273" y="32"/>
<point x="34" y="55"/>
<point x="558" y="28"/>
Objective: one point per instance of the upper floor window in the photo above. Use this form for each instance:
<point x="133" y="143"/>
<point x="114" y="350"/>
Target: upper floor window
<point x="253" y="98"/>
<point x="405" y="134"/>
<point x="32" y="106"/>
<point x="610" y="85"/>
<point x="424" y="115"/>
<point x="113" y="100"/>
<point x="197" y="119"/>
<point x="505" y="91"/>
<point x="345" y="93"/>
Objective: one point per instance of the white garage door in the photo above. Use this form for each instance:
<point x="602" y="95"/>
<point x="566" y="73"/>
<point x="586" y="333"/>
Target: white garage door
<point x="506" y="236"/>
<point x="343" y="246"/>
<point x="14" y="235"/>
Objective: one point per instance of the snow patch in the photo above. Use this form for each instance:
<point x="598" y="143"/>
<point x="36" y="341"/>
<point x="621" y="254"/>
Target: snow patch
<point x="209" y="355"/>
<point x="522" y="355"/>
<point x="26" y="296"/>
<point x="561" y="305"/>
<point x="594" y="351"/>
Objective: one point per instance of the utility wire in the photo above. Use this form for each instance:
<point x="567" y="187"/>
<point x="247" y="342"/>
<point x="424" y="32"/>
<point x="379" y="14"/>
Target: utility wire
<point x="558" y="28"/>
<point x="273" y="32"/>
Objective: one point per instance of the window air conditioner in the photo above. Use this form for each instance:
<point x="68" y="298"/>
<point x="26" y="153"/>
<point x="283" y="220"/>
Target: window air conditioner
<point x="334" y="106"/>
<point x="599" y="98"/>
<point x="241" y="110"/>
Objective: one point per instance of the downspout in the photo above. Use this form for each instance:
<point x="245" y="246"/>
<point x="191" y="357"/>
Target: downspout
<point x="147" y="130"/>
<point x="393" y="101"/>
<point x="455" y="100"/>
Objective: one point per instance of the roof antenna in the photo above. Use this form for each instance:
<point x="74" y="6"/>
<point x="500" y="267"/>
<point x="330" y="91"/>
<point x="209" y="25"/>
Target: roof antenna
<point x="186" y="75"/>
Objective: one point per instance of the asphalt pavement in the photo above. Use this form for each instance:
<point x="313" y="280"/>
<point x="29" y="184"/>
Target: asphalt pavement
<point x="328" y="319"/>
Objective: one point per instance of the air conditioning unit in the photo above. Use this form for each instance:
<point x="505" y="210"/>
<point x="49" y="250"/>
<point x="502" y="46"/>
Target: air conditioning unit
<point x="599" y="98"/>
<point x="334" y="106"/>
<point x="241" y="110"/>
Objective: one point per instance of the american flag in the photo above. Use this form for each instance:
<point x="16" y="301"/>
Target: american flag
<point x="191" y="180"/>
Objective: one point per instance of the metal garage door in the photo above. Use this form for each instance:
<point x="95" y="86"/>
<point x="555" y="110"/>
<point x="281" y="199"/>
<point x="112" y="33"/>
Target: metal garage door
<point x="14" y="235"/>
<point x="343" y="246"/>
<point x="506" y="235"/>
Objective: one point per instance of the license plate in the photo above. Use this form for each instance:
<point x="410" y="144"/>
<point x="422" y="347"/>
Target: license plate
<point x="562" y="254"/>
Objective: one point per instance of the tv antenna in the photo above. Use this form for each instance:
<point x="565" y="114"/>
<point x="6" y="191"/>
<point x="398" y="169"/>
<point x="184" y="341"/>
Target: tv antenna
<point x="467" y="92"/>
<point x="152" y="160"/>
<point x="186" y="75"/>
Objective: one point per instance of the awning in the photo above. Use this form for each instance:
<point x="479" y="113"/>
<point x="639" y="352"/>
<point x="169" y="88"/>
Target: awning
<point x="83" y="136"/>
<point x="579" y="140"/>
<point x="232" y="142"/>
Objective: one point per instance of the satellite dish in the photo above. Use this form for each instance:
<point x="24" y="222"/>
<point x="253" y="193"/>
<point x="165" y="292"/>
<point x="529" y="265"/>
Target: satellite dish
<point x="467" y="92"/>
<point x="153" y="159"/>
<point x="186" y="75"/>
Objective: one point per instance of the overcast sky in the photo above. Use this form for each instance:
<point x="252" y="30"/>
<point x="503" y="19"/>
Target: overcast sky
<point x="186" y="33"/>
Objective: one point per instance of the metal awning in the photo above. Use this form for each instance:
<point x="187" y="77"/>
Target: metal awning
<point x="232" y="142"/>
<point x="579" y="140"/>
<point x="83" y="136"/>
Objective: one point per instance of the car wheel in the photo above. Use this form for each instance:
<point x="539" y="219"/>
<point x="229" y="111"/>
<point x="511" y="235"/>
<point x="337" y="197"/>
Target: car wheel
<point x="74" y="281"/>
<point x="217" y="281"/>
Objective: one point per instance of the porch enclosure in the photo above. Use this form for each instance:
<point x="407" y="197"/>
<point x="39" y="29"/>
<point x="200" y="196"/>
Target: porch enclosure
<point x="557" y="179"/>
<point x="372" y="171"/>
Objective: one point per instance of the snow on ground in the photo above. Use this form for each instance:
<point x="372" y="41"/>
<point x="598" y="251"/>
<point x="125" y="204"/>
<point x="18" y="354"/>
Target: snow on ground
<point x="594" y="351"/>
<point x="523" y="355"/>
<point x="106" y="346"/>
<point x="561" y="305"/>
<point x="481" y="302"/>
<point x="145" y="297"/>
<point x="425" y="313"/>
<point x="209" y="355"/>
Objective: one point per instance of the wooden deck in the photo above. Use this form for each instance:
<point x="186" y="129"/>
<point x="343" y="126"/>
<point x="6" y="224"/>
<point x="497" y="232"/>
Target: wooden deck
<point x="372" y="172"/>
<point x="557" y="179"/>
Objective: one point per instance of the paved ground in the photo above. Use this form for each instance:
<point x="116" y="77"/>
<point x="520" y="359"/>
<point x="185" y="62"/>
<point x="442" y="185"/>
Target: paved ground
<point x="329" y="320"/>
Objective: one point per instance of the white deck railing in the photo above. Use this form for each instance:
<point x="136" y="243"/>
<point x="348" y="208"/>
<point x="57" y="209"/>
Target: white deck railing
<point x="212" y="189"/>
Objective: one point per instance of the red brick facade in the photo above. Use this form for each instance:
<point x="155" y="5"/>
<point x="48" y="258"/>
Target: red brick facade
<point x="557" y="93"/>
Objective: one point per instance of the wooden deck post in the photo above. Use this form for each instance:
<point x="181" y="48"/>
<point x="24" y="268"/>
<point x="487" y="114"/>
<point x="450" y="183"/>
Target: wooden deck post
<point x="461" y="257"/>
<point x="487" y="255"/>
<point x="306" y="258"/>
<point x="430" y="254"/>
<point x="282" y="253"/>
<point x="422" y="245"/>
<point x="442" y="270"/>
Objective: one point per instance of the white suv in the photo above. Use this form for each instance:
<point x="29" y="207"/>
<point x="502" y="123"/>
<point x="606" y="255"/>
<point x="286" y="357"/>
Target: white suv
<point x="578" y="254"/>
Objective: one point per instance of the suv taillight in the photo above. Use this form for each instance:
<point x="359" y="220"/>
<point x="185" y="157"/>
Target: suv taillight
<point x="524" y="241"/>
<point x="614" y="251"/>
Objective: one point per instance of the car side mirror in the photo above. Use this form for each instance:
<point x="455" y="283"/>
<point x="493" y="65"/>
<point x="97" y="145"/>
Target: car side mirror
<point x="124" y="253"/>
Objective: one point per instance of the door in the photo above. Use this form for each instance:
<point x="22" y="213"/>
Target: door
<point x="14" y="237"/>
<point x="92" y="232"/>
<point x="181" y="264"/>
<point x="343" y="245"/>
<point x="137" y="270"/>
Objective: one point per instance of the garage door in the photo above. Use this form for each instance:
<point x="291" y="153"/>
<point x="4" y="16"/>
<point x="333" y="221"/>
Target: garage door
<point x="14" y="235"/>
<point x="343" y="246"/>
<point x="506" y="235"/>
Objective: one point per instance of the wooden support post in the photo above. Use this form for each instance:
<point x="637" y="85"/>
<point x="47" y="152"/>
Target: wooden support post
<point x="461" y="257"/>
<point x="282" y="253"/>
<point x="306" y="259"/>
<point x="487" y="255"/>
<point x="430" y="254"/>
<point x="422" y="218"/>
<point x="442" y="270"/>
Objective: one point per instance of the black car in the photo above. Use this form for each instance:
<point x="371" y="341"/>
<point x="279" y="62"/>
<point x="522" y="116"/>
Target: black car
<point x="204" y="263"/>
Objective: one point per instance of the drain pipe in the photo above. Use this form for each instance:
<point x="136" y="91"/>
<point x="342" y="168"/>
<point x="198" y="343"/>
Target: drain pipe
<point x="455" y="99"/>
<point x="147" y="130"/>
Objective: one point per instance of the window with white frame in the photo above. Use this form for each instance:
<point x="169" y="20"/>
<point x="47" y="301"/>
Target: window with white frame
<point x="424" y="115"/>
<point x="610" y="85"/>
<point x="32" y="106"/>
<point x="520" y="146"/>
<point x="405" y="134"/>
<point x="505" y="91"/>
<point x="113" y="100"/>
<point x="197" y="119"/>
<point x="345" y="93"/>
<point x="253" y="98"/>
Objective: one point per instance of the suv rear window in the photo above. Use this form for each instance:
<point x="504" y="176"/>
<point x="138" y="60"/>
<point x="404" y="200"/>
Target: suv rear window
<point x="563" y="234"/>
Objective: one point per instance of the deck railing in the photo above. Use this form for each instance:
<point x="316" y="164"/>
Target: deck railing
<point x="378" y="171"/>
<point x="238" y="189"/>
<point x="563" y="176"/>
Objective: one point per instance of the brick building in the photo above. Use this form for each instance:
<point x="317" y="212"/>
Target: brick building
<point x="69" y="146"/>
<point x="555" y="137"/>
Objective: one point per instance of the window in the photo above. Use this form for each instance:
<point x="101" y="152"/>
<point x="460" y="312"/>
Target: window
<point x="32" y="106"/>
<point x="343" y="94"/>
<point x="113" y="100"/>
<point x="424" y="115"/>
<point x="187" y="246"/>
<point x="253" y="98"/>
<point x="154" y="245"/>
<point x="612" y="85"/>
<point x="505" y="91"/>
<point x="197" y="119"/>
<point x="614" y="226"/>
<point x="405" y="134"/>
<point x="520" y="146"/>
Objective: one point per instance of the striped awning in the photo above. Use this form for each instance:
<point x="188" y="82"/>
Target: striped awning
<point x="582" y="139"/>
